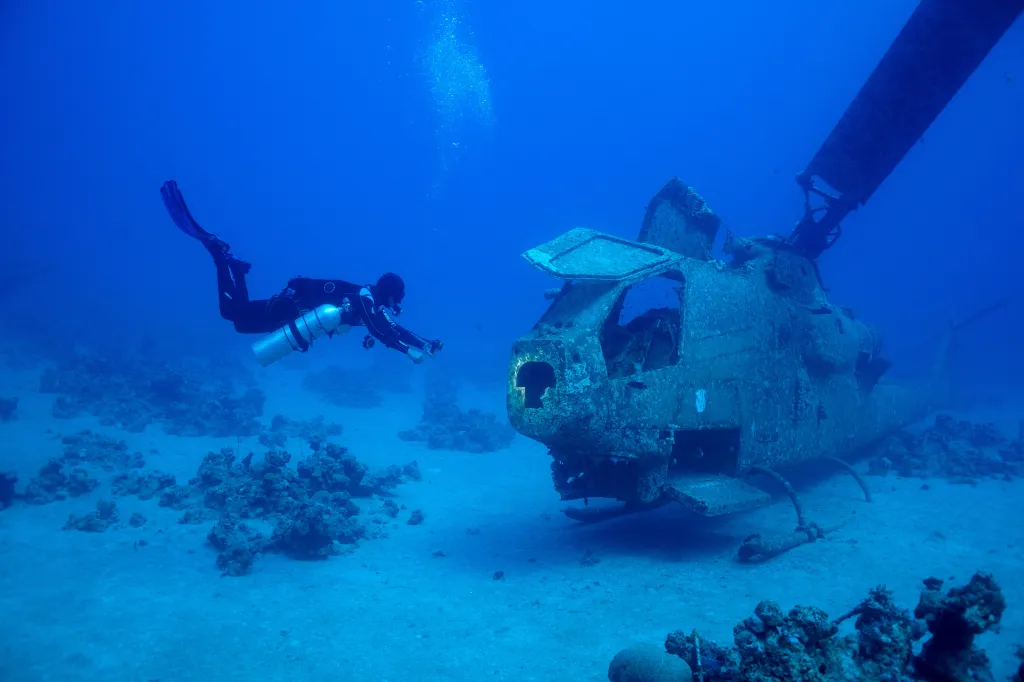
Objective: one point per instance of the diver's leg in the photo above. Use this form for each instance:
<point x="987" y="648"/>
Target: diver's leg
<point x="182" y="217"/>
<point x="255" y="318"/>
<point x="232" y="291"/>
<point x="248" y="316"/>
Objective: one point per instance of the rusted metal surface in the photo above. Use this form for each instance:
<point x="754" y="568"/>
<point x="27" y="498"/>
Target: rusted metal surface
<point x="749" y="365"/>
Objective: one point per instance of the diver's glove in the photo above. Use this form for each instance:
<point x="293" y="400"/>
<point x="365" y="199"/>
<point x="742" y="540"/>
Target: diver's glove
<point x="433" y="347"/>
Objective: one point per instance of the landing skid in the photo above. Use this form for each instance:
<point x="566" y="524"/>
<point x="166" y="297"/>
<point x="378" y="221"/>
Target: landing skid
<point x="712" y="495"/>
<point x="706" y="495"/>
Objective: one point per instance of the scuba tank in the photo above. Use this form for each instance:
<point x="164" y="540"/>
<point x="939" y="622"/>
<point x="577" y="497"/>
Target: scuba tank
<point x="297" y="335"/>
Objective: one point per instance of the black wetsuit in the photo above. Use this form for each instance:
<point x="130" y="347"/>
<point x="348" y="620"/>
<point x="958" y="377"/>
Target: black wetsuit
<point x="303" y="294"/>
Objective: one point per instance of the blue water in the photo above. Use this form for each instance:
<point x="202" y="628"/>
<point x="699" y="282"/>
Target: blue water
<point x="440" y="139"/>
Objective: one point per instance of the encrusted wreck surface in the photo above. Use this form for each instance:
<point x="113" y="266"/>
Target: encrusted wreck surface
<point x="747" y="364"/>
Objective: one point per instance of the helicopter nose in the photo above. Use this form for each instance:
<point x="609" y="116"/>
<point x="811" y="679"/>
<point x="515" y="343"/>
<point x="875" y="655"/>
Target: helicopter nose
<point x="535" y="378"/>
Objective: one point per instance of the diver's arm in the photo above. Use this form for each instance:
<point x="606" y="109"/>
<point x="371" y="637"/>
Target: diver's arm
<point x="415" y="340"/>
<point x="383" y="327"/>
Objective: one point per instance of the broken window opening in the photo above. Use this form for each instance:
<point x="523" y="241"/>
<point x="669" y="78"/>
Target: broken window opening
<point x="643" y="331"/>
<point x="706" y="451"/>
<point x="535" y="378"/>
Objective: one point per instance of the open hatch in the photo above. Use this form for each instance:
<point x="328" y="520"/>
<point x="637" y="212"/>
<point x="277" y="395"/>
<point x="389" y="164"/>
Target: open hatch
<point x="582" y="254"/>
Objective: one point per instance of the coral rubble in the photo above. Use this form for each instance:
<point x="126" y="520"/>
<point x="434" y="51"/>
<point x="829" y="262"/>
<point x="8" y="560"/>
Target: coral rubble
<point x="309" y="507"/>
<point x="361" y="388"/>
<point x="8" y="407"/>
<point x="445" y="426"/>
<point x="954" y="619"/>
<point x="104" y="517"/>
<point x="132" y="393"/>
<point x="282" y="428"/>
<point x="804" y="645"/>
<point x="72" y="474"/>
<point x="952" y="449"/>
<point x="8" y="483"/>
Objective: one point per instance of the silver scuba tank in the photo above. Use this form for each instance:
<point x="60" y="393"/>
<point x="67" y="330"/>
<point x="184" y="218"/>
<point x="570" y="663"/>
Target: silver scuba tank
<point x="297" y="335"/>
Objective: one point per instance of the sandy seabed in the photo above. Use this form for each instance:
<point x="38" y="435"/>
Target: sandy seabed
<point x="97" y="607"/>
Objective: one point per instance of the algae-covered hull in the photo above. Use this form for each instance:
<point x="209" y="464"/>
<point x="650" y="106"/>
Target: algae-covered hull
<point x="739" y="365"/>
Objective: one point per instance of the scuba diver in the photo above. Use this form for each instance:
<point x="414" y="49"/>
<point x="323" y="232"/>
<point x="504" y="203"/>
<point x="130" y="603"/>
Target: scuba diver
<point x="306" y="309"/>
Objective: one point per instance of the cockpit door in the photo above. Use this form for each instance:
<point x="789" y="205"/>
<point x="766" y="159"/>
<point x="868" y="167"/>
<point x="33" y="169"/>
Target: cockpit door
<point x="582" y="254"/>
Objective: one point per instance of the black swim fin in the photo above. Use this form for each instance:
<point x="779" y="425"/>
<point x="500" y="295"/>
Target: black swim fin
<point x="180" y="214"/>
<point x="182" y="217"/>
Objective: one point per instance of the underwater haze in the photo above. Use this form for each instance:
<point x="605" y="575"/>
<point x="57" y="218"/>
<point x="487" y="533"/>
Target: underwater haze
<point x="172" y="509"/>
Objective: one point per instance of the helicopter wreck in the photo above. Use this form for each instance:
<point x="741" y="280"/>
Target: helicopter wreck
<point x="752" y="370"/>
